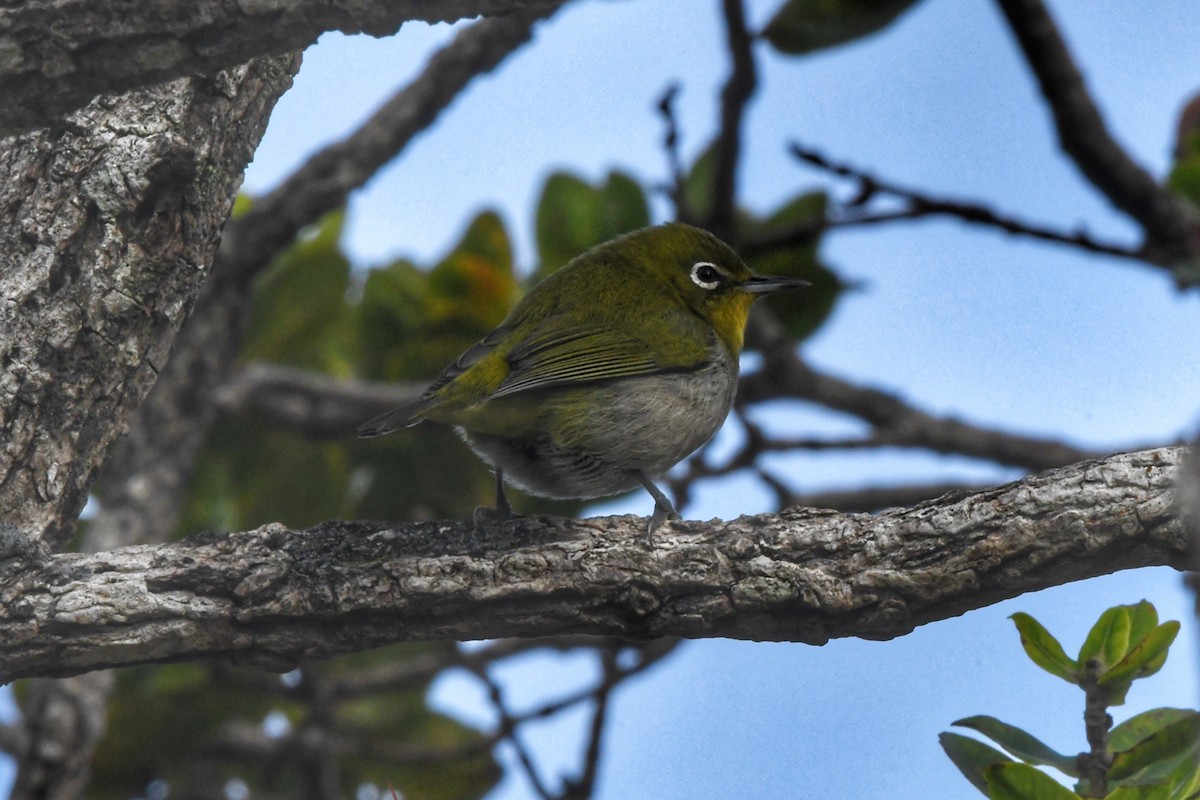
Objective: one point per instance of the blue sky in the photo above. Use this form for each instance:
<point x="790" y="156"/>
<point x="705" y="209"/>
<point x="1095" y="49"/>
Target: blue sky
<point x="961" y="321"/>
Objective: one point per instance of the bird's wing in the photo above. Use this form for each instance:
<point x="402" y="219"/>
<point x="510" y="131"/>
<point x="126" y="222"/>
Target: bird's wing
<point x="554" y="356"/>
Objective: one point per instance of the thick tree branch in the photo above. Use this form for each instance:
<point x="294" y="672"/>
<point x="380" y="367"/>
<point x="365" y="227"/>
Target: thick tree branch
<point x="56" y="55"/>
<point x="108" y="229"/>
<point x="1172" y="226"/>
<point x="272" y="596"/>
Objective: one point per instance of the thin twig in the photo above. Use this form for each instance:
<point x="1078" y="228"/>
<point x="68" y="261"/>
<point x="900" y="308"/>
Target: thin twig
<point x="582" y="788"/>
<point x="507" y="729"/>
<point x="738" y="90"/>
<point x="326" y="180"/>
<point x="922" y="205"/>
<point x="677" y="189"/>
<point x="1172" y="227"/>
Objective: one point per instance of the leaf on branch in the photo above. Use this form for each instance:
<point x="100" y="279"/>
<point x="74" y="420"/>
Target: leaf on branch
<point x="972" y="757"/>
<point x="1016" y="781"/>
<point x="1021" y="744"/>
<point x="1043" y="649"/>
<point x="1155" y="757"/>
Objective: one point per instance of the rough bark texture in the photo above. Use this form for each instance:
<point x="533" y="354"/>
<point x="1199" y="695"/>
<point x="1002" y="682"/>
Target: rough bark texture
<point x="143" y="485"/>
<point x="107" y="230"/>
<point x="56" y="55"/>
<point x="272" y="596"/>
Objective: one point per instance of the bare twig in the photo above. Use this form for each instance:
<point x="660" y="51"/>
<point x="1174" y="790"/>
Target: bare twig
<point x="326" y="180"/>
<point x="308" y="402"/>
<point x="919" y="205"/>
<point x="739" y="88"/>
<point x="1172" y="227"/>
<point x="582" y="787"/>
<point x="507" y="730"/>
<point x="676" y="190"/>
<point x="785" y="374"/>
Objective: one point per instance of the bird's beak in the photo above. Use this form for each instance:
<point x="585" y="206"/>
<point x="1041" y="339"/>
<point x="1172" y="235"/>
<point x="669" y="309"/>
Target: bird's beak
<point x="765" y="284"/>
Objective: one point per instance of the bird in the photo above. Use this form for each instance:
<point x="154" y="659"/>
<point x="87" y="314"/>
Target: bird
<point x="607" y="373"/>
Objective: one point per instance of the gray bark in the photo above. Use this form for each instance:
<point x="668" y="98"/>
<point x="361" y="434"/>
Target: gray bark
<point x="56" y="55"/>
<point x="272" y="596"/>
<point x="108" y="231"/>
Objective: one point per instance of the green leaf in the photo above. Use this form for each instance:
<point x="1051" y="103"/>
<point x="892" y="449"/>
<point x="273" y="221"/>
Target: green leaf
<point x="1016" y="781"/>
<point x="1108" y="639"/>
<point x="573" y="216"/>
<point x="802" y="26"/>
<point x="1143" y="659"/>
<point x="623" y="206"/>
<point x="698" y="185"/>
<point x="1021" y="744"/>
<point x="1185" y="779"/>
<point x="1160" y="749"/>
<point x="299" y="313"/>
<point x="1138" y="727"/>
<point x="972" y="757"/>
<point x="1143" y="618"/>
<point x="566" y="220"/>
<point x="1043" y="649"/>
<point x="1151" y="792"/>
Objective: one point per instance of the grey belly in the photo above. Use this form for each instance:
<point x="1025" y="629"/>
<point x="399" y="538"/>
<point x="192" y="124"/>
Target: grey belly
<point x="645" y="424"/>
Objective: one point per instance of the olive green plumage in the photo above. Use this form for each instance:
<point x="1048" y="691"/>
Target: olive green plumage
<point x="608" y="372"/>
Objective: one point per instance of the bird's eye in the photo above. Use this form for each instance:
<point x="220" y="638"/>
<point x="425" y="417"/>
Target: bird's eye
<point x="706" y="275"/>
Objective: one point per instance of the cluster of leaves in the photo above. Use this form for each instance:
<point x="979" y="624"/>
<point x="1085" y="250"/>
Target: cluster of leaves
<point x="1150" y="756"/>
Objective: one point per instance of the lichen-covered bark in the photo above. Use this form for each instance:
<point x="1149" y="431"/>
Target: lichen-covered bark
<point x="108" y="226"/>
<point x="56" y="55"/>
<point x="272" y="596"/>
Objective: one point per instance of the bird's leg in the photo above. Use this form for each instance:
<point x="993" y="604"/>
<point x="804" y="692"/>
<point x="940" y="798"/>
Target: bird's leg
<point x="502" y="511"/>
<point x="663" y="510"/>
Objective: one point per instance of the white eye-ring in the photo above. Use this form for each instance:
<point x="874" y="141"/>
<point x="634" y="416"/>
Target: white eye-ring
<point x="706" y="275"/>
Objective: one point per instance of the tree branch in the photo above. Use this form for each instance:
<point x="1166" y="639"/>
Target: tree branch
<point x="326" y="180"/>
<point x="922" y="205"/>
<point x="272" y="596"/>
<point x="109" y="228"/>
<point x="1172" y="226"/>
<point x="56" y="55"/>
<point x="785" y="374"/>
<point x="739" y="88"/>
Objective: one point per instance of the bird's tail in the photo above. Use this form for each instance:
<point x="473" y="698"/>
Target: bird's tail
<point x="402" y="417"/>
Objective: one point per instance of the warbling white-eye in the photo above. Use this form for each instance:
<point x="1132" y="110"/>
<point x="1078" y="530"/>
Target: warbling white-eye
<point x="607" y="373"/>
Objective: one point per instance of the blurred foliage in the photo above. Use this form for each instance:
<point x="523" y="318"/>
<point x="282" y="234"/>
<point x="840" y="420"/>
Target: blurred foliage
<point x="804" y="26"/>
<point x="801" y="314"/>
<point x="177" y="725"/>
<point x="403" y="321"/>
<point x="1154" y="755"/>
<point x="1185" y="174"/>
<point x="573" y="217"/>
